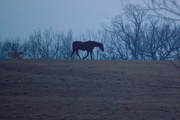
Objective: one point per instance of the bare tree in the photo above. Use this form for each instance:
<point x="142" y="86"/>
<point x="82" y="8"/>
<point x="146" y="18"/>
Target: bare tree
<point x="66" y="42"/>
<point x="48" y="38"/>
<point x="130" y="32"/>
<point x="12" y="45"/>
<point x="169" y="38"/>
<point x="159" y="7"/>
<point x="3" y="50"/>
<point x="151" y="40"/>
<point x="57" y="44"/>
<point x="162" y="40"/>
<point x="35" y="44"/>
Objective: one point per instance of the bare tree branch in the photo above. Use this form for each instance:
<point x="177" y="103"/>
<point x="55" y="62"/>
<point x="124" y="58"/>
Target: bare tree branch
<point x="171" y="7"/>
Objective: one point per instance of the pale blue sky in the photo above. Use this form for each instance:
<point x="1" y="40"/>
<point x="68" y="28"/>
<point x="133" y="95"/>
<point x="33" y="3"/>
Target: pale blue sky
<point x="22" y="17"/>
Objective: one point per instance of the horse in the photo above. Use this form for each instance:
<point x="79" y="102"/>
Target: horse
<point x="16" y="54"/>
<point x="85" y="46"/>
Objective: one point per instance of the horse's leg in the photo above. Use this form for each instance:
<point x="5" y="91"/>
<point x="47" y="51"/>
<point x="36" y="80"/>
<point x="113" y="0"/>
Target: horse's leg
<point x="72" y="53"/>
<point x="86" y="55"/>
<point x="78" y="54"/>
<point x="91" y="55"/>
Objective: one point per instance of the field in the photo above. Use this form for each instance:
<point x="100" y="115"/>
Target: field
<point x="89" y="90"/>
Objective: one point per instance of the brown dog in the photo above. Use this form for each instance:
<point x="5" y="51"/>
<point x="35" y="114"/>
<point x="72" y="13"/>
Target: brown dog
<point x="16" y="55"/>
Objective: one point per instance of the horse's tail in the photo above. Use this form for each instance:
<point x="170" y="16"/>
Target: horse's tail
<point x="74" y="45"/>
<point x="73" y="49"/>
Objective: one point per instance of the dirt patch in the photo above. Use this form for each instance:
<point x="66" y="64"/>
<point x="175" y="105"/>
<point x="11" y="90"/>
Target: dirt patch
<point x="89" y="89"/>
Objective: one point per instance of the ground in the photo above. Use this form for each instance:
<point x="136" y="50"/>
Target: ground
<point x="42" y="89"/>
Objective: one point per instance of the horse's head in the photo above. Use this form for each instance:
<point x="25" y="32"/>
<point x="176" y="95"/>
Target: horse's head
<point x="101" y="46"/>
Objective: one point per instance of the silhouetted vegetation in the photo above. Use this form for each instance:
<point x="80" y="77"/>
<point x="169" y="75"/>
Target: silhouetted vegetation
<point x="133" y="36"/>
<point x="169" y="6"/>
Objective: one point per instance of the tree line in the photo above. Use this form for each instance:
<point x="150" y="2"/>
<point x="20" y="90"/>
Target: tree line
<point x="135" y="35"/>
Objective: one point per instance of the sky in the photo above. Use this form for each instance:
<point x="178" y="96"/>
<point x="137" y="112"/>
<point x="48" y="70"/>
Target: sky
<point x="19" y="18"/>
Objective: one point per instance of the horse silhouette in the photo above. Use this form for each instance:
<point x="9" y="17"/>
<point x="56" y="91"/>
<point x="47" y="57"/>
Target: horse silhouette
<point x="85" y="46"/>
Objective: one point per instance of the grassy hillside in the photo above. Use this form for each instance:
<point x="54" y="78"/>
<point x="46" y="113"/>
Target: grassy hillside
<point x="89" y="89"/>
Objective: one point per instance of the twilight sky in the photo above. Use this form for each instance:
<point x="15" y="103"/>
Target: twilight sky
<point x="22" y="17"/>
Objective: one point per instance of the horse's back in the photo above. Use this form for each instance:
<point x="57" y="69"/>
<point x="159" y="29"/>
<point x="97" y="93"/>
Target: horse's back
<point x="77" y="42"/>
<point x="80" y="45"/>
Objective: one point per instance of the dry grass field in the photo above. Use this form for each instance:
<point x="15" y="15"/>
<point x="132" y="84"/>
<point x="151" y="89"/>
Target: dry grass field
<point x="89" y="90"/>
